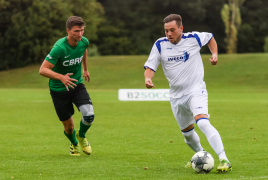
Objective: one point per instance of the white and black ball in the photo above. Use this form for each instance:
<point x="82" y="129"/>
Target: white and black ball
<point x="202" y="162"/>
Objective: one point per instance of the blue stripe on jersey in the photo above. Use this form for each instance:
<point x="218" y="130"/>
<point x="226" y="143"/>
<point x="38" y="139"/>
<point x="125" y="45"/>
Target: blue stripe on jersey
<point x="193" y="36"/>
<point x="210" y="39"/>
<point x="149" y="68"/>
<point x="198" y="40"/>
<point x="158" y="44"/>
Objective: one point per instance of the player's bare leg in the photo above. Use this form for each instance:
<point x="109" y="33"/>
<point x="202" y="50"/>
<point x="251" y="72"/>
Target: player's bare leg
<point x="70" y="132"/>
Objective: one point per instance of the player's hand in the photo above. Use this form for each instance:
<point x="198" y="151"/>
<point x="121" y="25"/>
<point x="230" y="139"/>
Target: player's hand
<point x="214" y="59"/>
<point x="67" y="81"/>
<point x="148" y="83"/>
<point x="86" y="75"/>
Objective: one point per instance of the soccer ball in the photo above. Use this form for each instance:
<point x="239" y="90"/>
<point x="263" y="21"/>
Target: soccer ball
<point x="202" y="162"/>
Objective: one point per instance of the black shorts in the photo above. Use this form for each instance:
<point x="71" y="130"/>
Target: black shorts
<point x="63" y="101"/>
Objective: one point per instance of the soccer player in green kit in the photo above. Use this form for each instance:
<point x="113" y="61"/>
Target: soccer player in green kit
<point x="63" y="66"/>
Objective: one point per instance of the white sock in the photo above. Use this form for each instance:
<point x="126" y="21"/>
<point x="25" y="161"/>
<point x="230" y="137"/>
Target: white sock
<point x="213" y="137"/>
<point x="193" y="140"/>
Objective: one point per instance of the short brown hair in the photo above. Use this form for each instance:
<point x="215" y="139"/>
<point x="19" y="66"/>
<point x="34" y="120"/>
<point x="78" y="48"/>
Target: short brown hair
<point x="74" y="21"/>
<point x="173" y="17"/>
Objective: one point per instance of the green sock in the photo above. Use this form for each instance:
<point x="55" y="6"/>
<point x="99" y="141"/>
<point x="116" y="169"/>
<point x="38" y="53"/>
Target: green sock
<point x="72" y="137"/>
<point x="83" y="129"/>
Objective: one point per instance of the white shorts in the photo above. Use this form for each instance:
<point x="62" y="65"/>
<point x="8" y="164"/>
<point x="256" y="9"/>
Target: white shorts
<point x="187" y="107"/>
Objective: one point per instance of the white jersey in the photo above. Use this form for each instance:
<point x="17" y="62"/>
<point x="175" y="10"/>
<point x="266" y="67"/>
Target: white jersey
<point x="181" y="63"/>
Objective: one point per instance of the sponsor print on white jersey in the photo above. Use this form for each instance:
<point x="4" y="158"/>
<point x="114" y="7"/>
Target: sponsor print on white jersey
<point x="181" y="62"/>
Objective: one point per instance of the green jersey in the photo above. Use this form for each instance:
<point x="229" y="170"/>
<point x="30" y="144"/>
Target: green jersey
<point x="67" y="59"/>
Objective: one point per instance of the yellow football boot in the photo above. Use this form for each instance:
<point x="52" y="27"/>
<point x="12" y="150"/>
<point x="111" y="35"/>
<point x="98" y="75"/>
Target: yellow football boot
<point x="84" y="144"/>
<point x="224" y="166"/>
<point x="74" y="150"/>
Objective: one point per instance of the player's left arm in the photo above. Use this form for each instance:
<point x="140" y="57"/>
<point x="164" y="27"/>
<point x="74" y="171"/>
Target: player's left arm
<point x="86" y="74"/>
<point x="212" y="45"/>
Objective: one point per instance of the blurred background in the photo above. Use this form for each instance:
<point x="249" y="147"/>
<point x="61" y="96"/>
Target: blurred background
<point x="29" y="28"/>
<point x="130" y="135"/>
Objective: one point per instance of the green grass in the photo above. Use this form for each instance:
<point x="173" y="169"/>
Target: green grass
<point x="233" y="72"/>
<point x="128" y="136"/>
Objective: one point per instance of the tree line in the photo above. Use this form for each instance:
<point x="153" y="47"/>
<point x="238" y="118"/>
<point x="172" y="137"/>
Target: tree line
<point x="29" y="28"/>
<point x="132" y="26"/>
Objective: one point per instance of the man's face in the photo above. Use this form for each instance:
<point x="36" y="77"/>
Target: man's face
<point x="76" y="33"/>
<point x="173" y="32"/>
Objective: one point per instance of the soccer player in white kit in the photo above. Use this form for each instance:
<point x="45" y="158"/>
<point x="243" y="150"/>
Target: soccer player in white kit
<point x="179" y="54"/>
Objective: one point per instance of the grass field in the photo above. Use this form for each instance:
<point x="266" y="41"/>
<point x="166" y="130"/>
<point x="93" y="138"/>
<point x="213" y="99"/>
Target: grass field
<point x="128" y="136"/>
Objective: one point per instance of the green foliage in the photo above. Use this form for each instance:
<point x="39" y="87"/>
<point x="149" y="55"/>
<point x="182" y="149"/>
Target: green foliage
<point x="91" y="12"/>
<point x="254" y="29"/>
<point x="265" y="47"/>
<point x="31" y="27"/>
<point x="132" y="26"/>
<point x="238" y="19"/>
<point x="231" y="17"/>
<point x="225" y="17"/>
<point x="93" y="51"/>
<point x="247" y="36"/>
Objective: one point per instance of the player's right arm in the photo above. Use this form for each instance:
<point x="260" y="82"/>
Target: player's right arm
<point x="149" y="74"/>
<point x="151" y="66"/>
<point x="46" y="70"/>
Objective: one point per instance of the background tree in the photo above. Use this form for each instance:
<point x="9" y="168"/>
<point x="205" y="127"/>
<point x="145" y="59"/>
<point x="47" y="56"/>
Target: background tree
<point x="29" y="28"/>
<point x="254" y="29"/>
<point x="231" y="17"/>
<point x="265" y="47"/>
<point x="132" y="26"/>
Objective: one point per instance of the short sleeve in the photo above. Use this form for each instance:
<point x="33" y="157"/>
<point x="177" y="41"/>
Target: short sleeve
<point x="54" y="55"/>
<point x="85" y="40"/>
<point x="204" y="37"/>
<point x="153" y="60"/>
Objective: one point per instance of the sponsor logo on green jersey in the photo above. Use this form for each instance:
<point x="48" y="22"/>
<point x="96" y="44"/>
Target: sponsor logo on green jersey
<point x="72" y="61"/>
<point x="49" y="56"/>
